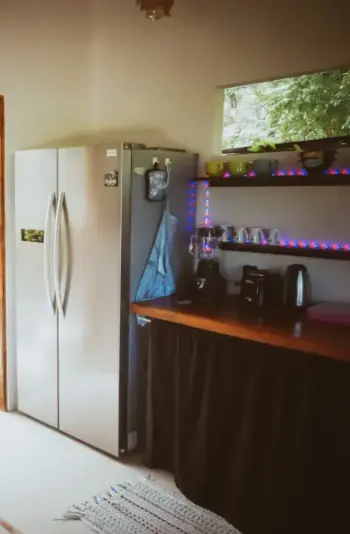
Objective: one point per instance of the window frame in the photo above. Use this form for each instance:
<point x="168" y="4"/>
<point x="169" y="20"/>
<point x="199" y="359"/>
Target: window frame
<point x="331" y="142"/>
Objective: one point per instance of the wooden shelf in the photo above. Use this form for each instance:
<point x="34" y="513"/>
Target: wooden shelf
<point x="288" y="251"/>
<point x="314" y="179"/>
<point x="278" y="181"/>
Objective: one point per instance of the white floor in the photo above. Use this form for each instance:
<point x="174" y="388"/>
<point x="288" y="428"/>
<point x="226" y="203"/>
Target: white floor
<point x="42" y="472"/>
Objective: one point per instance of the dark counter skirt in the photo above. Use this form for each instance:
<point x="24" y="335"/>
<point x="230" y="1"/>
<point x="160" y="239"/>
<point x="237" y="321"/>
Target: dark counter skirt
<point x="257" y="434"/>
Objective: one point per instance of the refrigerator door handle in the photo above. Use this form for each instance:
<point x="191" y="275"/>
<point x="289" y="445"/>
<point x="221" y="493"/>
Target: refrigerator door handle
<point x="47" y="241"/>
<point x="56" y="252"/>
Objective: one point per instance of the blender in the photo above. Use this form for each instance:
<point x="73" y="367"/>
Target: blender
<point x="208" y="281"/>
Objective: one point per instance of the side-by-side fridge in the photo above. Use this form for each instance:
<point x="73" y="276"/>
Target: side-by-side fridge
<point x="84" y="230"/>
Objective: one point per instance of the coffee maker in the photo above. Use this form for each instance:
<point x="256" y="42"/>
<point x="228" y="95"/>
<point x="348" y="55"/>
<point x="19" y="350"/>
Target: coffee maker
<point x="208" y="282"/>
<point x="261" y="287"/>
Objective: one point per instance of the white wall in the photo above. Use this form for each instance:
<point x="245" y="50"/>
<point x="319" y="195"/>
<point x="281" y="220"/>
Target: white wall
<point x="43" y="75"/>
<point x="160" y="79"/>
<point x="97" y="68"/>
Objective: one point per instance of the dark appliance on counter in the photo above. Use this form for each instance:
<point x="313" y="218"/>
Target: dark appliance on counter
<point x="208" y="282"/>
<point x="261" y="287"/>
<point x="297" y="287"/>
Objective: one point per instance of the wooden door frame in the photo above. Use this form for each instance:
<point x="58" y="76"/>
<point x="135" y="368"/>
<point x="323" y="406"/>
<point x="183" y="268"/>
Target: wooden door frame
<point x="3" y="366"/>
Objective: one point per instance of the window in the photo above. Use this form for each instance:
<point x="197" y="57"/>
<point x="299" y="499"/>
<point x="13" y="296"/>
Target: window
<point x="290" y="110"/>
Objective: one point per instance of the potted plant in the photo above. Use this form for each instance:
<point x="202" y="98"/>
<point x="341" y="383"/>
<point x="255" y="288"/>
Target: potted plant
<point x="264" y="166"/>
<point x="262" y="146"/>
<point x="316" y="159"/>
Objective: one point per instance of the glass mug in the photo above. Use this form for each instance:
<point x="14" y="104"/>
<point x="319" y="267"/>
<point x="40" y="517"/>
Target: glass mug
<point x="233" y="234"/>
<point x="240" y="234"/>
<point x="227" y="235"/>
<point x="263" y="236"/>
<point x="255" y="235"/>
<point x="273" y="236"/>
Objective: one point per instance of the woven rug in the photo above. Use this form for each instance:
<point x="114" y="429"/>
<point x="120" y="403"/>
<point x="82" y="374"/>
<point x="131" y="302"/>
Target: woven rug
<point x="144" y="507"/>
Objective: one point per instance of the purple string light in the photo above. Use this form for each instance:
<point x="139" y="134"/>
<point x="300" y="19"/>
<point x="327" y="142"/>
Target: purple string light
<point x="313" y="245"/>
<point x="296" y="172"/>
<point x="206" y="202"/>
<point x="192" y="199"/>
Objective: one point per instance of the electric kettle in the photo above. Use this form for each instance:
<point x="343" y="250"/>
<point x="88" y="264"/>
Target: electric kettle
<point x="297" y="288"/>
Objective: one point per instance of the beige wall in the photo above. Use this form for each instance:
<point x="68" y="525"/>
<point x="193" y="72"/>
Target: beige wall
<point x="43" y="75"/>
<point x="98" y="68"/>
<point x="160" y="80"/>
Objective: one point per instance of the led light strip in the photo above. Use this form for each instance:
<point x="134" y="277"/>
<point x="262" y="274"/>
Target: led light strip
<point x="315" y="245"/>
<point x="192" y="199"/>
<point x="299" y="172"/>
<point x="338" y="171"/>
<point x="206" y="204"/>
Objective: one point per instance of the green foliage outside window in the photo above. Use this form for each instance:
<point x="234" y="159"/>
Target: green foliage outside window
<point x="296" y="109"/>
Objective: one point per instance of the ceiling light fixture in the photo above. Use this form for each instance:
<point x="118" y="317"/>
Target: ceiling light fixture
<point x="156" y="9"/>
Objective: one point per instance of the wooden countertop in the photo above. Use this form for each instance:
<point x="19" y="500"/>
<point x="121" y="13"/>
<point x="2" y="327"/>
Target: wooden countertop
<point x="230" y="319"/>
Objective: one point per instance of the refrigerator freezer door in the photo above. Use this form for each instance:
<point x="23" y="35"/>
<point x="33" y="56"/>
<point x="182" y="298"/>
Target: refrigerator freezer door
<point x="90" y="254"/>
<point x="36" y="187"/>
<point x="145" y="219"/>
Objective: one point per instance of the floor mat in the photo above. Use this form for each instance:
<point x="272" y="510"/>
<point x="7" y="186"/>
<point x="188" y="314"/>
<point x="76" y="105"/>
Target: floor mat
<point x="144" y="507"/>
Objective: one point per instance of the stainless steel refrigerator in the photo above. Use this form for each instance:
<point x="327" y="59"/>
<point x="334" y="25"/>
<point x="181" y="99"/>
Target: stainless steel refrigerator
<point x="84" y="230"/>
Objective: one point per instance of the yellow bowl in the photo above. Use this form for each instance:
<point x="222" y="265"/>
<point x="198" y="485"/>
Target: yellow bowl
<point x="215" y="168"/>
<point x="238" y="167"/>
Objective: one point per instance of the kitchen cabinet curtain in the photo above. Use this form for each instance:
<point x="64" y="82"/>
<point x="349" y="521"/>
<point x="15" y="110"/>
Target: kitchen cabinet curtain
<point x="257" y="434"/>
